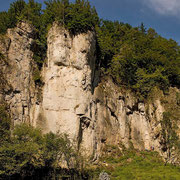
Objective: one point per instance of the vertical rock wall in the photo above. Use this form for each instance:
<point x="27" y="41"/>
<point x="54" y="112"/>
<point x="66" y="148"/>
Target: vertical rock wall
<point x="17" y="71"/>
<point x="92" y="116"/>
<point x="68" y="77"/>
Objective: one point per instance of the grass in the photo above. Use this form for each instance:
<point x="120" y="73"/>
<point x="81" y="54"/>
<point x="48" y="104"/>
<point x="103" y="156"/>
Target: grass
<point x="135" y="165"/>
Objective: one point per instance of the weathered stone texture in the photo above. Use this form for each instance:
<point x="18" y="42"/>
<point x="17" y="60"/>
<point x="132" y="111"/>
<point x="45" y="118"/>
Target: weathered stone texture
<point x="17" y="70"/>
<point x="74" y="101"/>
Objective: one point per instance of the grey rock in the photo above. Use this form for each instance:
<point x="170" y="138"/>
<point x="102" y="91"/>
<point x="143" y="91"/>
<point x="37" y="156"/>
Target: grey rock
<point x="104" y="176"/>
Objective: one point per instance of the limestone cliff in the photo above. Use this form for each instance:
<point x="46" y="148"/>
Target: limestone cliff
<point x="17" y="71"/>
<point x="74" y="100"/>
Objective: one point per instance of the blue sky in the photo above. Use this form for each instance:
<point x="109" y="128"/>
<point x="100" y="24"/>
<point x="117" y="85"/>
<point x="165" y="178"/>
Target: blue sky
<point x="162" y="15"/>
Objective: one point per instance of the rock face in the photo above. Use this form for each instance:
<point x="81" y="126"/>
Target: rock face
<point x="68" y="78"/>
<point x="93" y="115"/>
<point x="17" y="70"/>
<point x="73" y="99"/>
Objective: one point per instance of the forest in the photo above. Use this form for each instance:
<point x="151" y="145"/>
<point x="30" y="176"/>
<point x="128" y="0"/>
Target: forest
<point x="135" y="58"/>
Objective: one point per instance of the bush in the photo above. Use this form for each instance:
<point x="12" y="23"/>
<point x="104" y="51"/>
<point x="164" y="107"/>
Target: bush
<point x="4" y="124"/>
<point x="28" y="150"/>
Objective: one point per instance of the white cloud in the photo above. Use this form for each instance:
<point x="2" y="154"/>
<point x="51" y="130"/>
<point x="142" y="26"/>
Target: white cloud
<point x="164" y="7"/>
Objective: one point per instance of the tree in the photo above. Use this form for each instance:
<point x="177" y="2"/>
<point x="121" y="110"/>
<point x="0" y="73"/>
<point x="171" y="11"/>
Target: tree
<point x="80" y="17"/>
<point x="55" y="11"/>
<point x="15" y="11"/>
<point x="31" y="13"/>
<point x="145" y="61"/>
<point x="23" y="153"/>
<point x="110" y="36"/>
<point x="4" y="21"/>
<point x="142" y="28"/>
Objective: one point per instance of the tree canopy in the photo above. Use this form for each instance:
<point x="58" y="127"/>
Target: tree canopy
<point x="138" y="58"/>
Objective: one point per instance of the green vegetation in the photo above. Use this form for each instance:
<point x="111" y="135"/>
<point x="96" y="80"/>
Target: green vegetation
<point x="28" y="151"/>
<point x="170" y="137"/>
<point x="77" y="17"/>
<point x="37" y="76"/>
<point x="139" y="59"/>
<point x="131" y="164"/>
<point x="4" y="124"/>
<point x="169" y="123"/>
<point x="3" y="22"/>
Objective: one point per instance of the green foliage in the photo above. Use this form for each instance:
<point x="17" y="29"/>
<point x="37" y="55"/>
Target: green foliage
<point x="146" y="60"/>
<point x="170" y="137"/>
<point x="14" y="12"/>
<point x="131" y="164"/>
<point x="55" y="11"/>
<point x="81" y="17"/>
<point x="23" y="153"/>
<point x="77" y="17"/>
<point x="110" y="38"/>
<point x="20" y="10"/>
<point x="37" y="76"/>
<point x="138" y="59"/>
<point x="3" y="22"/>
<point x="32" y="13"/>
<point x="29" y="150"/>
<point x="58" y="147"/>
<point x="4" y="124"/>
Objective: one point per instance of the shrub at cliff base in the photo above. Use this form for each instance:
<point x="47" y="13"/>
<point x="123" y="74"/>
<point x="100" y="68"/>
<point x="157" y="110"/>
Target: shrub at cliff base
<point x="28" y="152"/>
<point x="4" y="124"/>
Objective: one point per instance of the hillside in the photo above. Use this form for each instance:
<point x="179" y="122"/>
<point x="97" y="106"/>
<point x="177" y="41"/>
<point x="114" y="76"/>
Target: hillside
<point x="79" y="95"/>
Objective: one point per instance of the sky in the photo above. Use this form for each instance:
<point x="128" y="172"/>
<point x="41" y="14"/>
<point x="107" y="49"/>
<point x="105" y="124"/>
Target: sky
<point x="162" y="15"/>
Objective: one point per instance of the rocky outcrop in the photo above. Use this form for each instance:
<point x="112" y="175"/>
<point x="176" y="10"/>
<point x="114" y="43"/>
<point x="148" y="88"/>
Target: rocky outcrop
<point x="17" y="71"/>
<point x="122" y="119"/>
<point x="93" y="114"/>
<point x="68" y="79"/>
<point x="73" y="100"/>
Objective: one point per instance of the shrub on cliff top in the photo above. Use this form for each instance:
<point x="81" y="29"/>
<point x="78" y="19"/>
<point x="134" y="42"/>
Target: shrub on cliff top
<point x="77" y="17"/>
